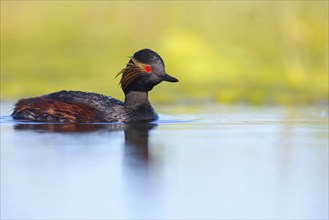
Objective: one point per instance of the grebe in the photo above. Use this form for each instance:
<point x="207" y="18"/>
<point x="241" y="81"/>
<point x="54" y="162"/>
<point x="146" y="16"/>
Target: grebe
<point x="144" y="70"/>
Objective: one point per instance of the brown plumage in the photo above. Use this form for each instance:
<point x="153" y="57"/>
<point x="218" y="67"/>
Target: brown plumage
<point x="131" y="72"/>
<point x="46" y="109"/>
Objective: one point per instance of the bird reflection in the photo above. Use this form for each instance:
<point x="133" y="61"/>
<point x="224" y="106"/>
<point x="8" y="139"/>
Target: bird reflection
<point x="137" y="143"/>
<point x="136" y="134"/>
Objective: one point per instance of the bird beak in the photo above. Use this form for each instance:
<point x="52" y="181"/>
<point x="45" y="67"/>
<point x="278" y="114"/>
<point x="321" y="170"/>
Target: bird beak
<point x="168" y="78"/>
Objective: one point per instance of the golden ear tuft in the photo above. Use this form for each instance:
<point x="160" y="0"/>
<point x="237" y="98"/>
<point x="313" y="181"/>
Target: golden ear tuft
<point x="132" y="70"/>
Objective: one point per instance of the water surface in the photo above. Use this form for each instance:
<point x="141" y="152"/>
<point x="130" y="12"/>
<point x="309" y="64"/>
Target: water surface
<point x="197" y="162"/>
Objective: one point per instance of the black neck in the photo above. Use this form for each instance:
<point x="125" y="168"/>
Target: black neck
<point x="136" y="98"/>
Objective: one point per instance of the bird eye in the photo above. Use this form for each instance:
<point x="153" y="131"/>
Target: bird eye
<point x="148" y="68"/>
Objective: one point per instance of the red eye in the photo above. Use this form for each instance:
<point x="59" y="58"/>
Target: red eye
<point x="148" y="68"/>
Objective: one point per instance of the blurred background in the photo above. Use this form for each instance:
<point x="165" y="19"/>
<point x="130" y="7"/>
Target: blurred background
<point x="253" y="52"/>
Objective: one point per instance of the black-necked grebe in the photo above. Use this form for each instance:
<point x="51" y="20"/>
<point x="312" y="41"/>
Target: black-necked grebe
<point x="144" y="71"/>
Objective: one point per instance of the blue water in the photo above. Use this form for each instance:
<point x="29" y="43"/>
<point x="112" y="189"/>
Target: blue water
<point x="197" y="162"/>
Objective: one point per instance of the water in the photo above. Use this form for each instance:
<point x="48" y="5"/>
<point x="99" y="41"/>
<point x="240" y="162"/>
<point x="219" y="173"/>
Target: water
<point x="197" y="162"/>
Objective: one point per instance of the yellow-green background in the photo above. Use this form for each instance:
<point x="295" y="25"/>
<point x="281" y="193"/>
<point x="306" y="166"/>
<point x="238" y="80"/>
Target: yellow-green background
<point x="227" y="51"/>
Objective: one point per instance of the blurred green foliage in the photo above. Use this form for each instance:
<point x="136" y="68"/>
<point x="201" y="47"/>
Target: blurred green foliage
<point x="241" y="51"/>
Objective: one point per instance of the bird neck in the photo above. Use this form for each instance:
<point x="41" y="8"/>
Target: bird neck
<point x="136" y="98"/>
